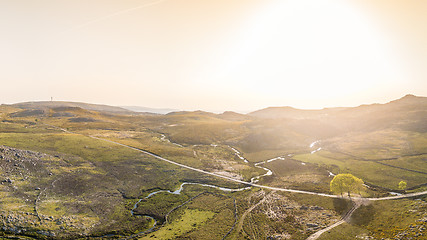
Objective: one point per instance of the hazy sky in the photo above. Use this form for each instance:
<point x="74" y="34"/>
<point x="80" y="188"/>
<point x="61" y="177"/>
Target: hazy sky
<point x="213" y="54"/>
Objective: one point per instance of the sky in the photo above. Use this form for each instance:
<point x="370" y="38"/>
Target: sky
<point x="213" y="55"/>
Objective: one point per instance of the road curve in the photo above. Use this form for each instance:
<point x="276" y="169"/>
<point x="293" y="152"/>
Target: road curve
<point x="254" y="184"/>
<point x="317" y="234"/>
<point x="345" y="218"/>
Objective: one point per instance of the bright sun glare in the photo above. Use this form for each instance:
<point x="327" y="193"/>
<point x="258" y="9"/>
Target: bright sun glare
<point x="310" y="50"/>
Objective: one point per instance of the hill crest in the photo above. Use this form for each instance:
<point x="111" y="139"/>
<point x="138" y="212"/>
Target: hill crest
<point x="42" y="105"/>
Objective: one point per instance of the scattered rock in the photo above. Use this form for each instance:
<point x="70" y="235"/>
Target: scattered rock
<point x="312" y="225"/>
<point x="7" y="180"/>
<point x="316" y="208"/>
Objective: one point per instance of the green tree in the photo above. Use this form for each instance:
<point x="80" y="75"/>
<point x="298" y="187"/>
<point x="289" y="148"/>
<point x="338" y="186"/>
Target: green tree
<point x="402" y="185"/>
<point x="346" y="183"/>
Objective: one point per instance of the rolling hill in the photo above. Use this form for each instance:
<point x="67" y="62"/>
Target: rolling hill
<point x="43" y="105"/>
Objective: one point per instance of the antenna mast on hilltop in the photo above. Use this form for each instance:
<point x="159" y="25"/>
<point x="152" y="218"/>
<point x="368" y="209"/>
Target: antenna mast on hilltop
<point x="51" y="99"/>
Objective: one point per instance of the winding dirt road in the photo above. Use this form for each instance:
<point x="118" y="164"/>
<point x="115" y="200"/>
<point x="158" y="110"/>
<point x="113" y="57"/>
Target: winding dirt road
<point x="357" y="200"/>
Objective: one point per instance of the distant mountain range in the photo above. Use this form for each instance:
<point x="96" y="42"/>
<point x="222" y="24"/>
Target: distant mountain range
<point x="406" y="103"/>
<point x="265" y="129"/>
<point x="150" y="110"/>
<point x="409" y="104"/>
<point x="408" y="113"/>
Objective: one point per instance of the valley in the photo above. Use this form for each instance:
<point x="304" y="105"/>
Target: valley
<point x="91" y="172"/>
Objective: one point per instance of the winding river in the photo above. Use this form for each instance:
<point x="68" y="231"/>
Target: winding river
<point x="238" y="154"/>
<point x="269" y="172"/>
<point x="313" y="144"/>
<point x="178" y="191"/>
<point x="163" y="138"/>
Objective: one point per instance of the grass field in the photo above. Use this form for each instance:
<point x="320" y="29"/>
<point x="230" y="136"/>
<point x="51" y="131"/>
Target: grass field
<point x="294" y="174"/>
<point x="208" y="216"/>
<point x="345" y="232"/>
<point x="369" y="171"/>
<point x="414" y="163"/>
<point x="189" y="220"/>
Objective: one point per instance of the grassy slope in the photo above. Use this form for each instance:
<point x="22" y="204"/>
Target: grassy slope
<point x="385" y="220"/>
<point x="191" y="219"/>
<point x="94" y="179"/>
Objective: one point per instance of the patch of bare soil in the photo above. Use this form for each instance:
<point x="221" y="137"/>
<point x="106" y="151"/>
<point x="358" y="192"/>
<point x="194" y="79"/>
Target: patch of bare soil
<point x="277" y="217"/>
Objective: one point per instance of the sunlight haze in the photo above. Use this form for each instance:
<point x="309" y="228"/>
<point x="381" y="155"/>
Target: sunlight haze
<point x="239" y="55"/>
